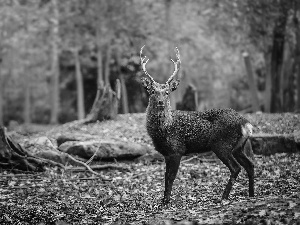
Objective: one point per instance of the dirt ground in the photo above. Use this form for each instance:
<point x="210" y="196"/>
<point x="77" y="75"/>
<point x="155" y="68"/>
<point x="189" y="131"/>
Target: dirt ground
<point x="134" y="197"/>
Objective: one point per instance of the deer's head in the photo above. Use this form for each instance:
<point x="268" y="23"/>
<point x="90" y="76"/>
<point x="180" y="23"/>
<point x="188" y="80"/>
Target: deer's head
<point x="159" y="93"/>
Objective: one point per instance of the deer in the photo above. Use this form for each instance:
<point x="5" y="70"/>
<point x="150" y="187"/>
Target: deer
<point x="176" y="133"/>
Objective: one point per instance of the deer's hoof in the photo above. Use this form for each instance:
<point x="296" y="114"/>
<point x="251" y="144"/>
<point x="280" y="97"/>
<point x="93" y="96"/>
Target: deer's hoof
<point x="216" y="201"/>
<point x="225" y="202"/>
<point x="165" y="201"/>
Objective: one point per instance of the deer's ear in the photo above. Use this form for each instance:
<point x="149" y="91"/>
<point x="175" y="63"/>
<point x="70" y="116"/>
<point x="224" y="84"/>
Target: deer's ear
<point x="146" y="83"/>
<point x="174" y="85"/>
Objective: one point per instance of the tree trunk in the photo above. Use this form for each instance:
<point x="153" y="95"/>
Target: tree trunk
<point x="100" y="82"/>
<point x="27" y="102"/>
<point x="55" y="64"/>
<point x="98" y="25"/>
<point x="252" y="83"/>
<point x="289" y="90"/>
<point x="297" y="51"/>
<point x="124" y="94"/>
<point x="277" y="57"/>
<point x="267" y="101"/>
<point x="80" y="90"/>
<point x="27" y="80"/>
<point x="107" y="65"/>
<point x="1" y="99"/>
<point x="287" y="81"/>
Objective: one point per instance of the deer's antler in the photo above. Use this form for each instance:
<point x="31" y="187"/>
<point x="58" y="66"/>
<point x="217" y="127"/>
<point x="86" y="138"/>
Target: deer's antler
<point x="176" y="64"/>
<point x="143" y="64"/>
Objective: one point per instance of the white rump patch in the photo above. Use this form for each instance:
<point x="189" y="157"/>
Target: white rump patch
<point x="247" y="130"/>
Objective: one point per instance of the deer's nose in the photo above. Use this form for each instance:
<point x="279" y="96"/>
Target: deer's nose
<point x="160" y="102"/>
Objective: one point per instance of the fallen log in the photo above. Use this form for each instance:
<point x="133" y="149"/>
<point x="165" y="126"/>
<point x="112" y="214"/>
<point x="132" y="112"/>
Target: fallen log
<point x="269" y="144"/>
<point x="13" y="156"/>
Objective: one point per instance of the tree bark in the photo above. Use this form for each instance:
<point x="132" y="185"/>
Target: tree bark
<point x="277" y="57"/>
<point x="252" y="83"/>
<point x="297" y="51"/>
<point x="1" y="100"/>
<point x="55" y="64"/>
<point x="100" y="77"/>
<point x="100" y="84"/>
<point x="124" y="96"/>
<point x="27" y="102"/>
<point x="100" y="81"/>
<point x="267" y="101"/>
<point x="287" y="80"/>
<point x="107" y="65"/>
<point x="125" y="107"/>
<point x="27" y="80"/>
<point x="80" y="90"/>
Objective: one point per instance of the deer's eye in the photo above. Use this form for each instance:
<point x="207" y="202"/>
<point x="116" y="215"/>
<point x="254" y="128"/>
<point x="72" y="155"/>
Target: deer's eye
<point x="153" y="92"/>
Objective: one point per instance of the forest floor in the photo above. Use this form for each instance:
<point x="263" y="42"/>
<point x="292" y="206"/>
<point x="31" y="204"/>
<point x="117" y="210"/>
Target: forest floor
<point x="134" y="197"/>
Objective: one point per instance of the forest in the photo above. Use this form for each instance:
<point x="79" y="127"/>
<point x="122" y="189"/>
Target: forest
<point x="82" y="142"/>
<point x="53" y="54"/>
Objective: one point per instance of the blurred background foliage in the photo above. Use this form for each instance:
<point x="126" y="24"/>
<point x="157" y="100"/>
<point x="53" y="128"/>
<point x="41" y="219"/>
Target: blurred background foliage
<point x="51" y="48"/>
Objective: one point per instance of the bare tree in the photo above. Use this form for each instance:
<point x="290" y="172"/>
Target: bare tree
<point x="27" y="81"/>
<point x="297" y="50"/>
<point x="252" y="83"/>
<point x="107" y="64"/>
<point x="27" y="102"/>
<point x="287" y="79"/>
<point x="1" y="98"/>
<point x="55" y="64"/>
<point x="277" y="56"/>
<point x="267" y="101"/>
<point x="105" y="105"/>
<point x="124" y="96"/>
<point x="79" y="83"/>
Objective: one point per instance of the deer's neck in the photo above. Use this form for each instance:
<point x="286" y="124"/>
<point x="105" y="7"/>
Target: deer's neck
<point x="159" y="117"/>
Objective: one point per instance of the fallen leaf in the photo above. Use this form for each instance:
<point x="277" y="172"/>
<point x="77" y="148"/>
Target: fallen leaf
<point x="296" y="215"/>
<point x="292" y="204"/>
<point x="262" y="212"/>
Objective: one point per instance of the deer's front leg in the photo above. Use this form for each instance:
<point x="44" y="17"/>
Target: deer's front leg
<point x="172" y="165"/>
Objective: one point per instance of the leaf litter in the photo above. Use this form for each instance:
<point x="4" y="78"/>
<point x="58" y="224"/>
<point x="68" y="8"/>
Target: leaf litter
<point x="134" y="197"/>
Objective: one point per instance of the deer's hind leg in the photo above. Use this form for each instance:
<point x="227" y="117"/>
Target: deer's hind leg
<point x="246" y="161"/>
<point x="224" y="153"/>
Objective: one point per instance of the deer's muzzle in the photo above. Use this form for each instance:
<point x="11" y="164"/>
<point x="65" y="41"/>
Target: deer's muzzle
<point x="160" y="103"/>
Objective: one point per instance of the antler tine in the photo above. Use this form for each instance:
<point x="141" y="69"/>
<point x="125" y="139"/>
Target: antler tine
<point x="143" y="64"/>
<point x="177" y="65"/>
